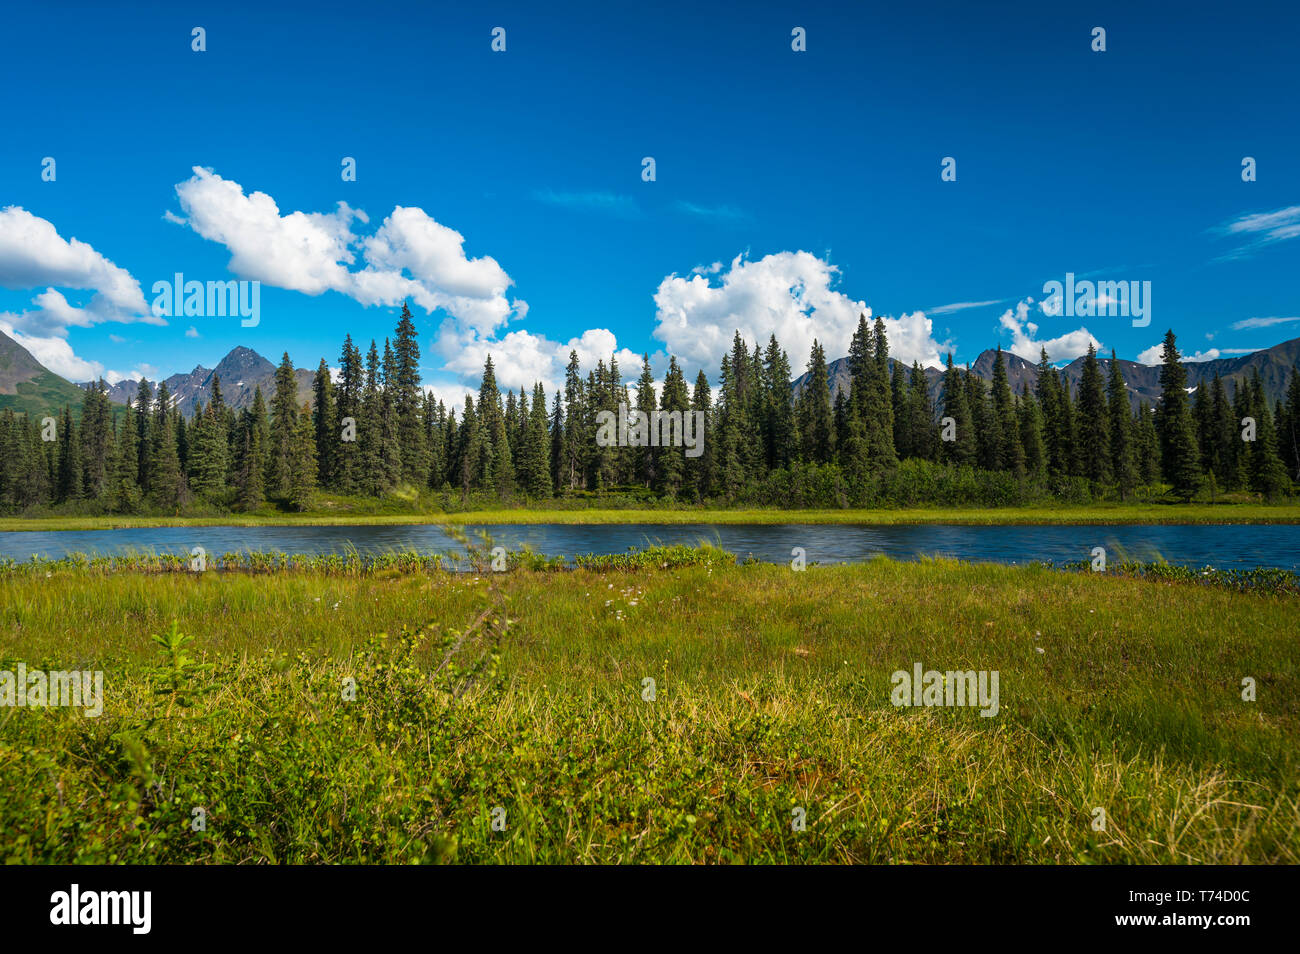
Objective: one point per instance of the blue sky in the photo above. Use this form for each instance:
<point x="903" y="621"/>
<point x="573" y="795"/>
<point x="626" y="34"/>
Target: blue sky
<point x="791" y="189"/>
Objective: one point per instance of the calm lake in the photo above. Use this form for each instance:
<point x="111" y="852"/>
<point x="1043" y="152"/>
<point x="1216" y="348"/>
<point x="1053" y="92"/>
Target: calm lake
<point x="1221" y="546"/>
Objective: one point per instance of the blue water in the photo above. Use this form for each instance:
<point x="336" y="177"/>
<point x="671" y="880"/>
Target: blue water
<point x="1219" y="545"/>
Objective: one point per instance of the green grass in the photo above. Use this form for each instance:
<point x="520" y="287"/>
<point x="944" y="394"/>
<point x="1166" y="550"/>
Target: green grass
<point x="772" y="692"/>
<point x="1096" y="514"/>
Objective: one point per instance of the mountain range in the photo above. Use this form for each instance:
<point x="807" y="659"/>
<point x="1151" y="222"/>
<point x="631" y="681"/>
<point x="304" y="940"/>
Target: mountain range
<point x="241" y="373"/>
<point x="1275" y="366"/>
<point x="27" y="386"/>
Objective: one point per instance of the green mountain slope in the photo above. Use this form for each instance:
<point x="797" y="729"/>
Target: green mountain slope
<point x="47" y="393"/>
<point x="29" y="388"/>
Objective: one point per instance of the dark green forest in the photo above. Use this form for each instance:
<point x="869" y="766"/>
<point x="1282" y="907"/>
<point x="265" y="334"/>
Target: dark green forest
<point x="375" y="432"/>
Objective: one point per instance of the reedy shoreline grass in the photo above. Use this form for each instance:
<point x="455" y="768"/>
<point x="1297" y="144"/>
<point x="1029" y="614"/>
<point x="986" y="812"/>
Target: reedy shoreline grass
<point x="772" y="692"/>
<point x="1095" y="515"/>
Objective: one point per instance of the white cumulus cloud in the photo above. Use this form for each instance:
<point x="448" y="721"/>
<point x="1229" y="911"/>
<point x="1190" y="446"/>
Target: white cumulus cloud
<point x="789" y="294"/>
<point x="1026" y="344"/>
<point x="410" y="256"/>
<point x="522" y="358"/>
<point x="34" y="256"/>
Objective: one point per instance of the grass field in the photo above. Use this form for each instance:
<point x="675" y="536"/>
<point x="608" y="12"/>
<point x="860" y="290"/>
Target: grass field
<point x="1095" y="514"/>
<point x="522" y="700"/>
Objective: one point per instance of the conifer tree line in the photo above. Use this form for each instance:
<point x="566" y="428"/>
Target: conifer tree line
<point x="375" y="430"/>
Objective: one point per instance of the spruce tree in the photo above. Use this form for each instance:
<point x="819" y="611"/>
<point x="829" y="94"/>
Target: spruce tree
<point x="496" y="470"/>
<point x="877" y="411"/>
<point x="369" y="468"/>
<point x="742" y="404"/>
<point x="303" y="465"/>
<point x="208" y="464"/>
<point x="558" y="438"/>
<point x="1050" y="398"/>
<point x="223" y="423"/>
<point x="1030" y="421"/>
<point x="514" y="430"/>
<point x="1011" y="453"/>
<point x="840" y="423"/>
<point x="960" y="451"/>
<point x="644" y="458"/>
<point x="1123" y="465"/>
<point x="143" y="424"/>
<point x="732" y="427"/>
<point x="123" y="490"/>
<point x="503" y="474"/>
<point x="698" y="481"/>
<point x="251" y="479"/>
<point x="407" y="404"/>
<point x="492" y="433"/>
<point x="986" y="426"/>
<point x="390" y="450"/>
<point x="1147" y="445"/>
<point x="576" y="446"/>
<point x="609" y="462"/>
<point x="96" y="433"/>
<point x="816" y="422"/>
<point x="470" y="449"/>
<point x="166" y="479"/>
<point x="781" y="426"/>
<point x="182" y="429"/>
<point x="1289" y="437"/>
<point x="901" y="398"/>
<point x="348" y="464"/>
<point x="225" y="416"/>
<point x="1069" y="425"/>
<point x="1179" y="455"/>
<point x="1203" y="421"/>
<point x="250" y="483"/>
<point x="284" y="427"/>
<point x="69" y="485"/>
<point x="525" y="410"/>
<point x="435" y="422"/>
<point x="597" y="458"/>
<point x="535" y="474"/>
<point x="923" y="437"/>
<point x="11" y="448"/>
<point x="1242" y="451"/>
<point x="36" y="484"/>
<point x="325" y="424"/>
<point x="1268" y="474"/>
<point x="1222" y="436"/>
<point x="675" y="401"/>
<point x="1094" y="422"/>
